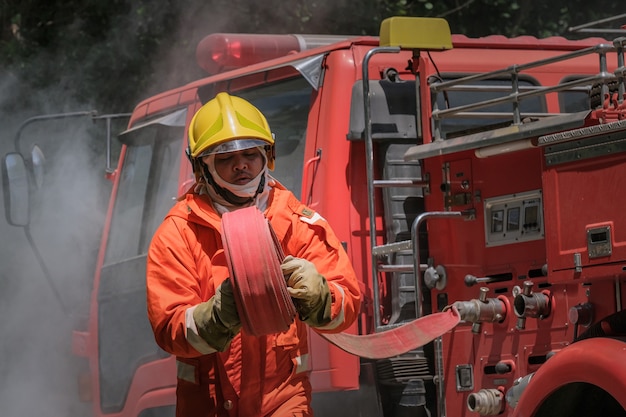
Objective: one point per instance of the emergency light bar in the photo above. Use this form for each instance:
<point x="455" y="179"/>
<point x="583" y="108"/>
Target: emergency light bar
<point x="219" y="52"/>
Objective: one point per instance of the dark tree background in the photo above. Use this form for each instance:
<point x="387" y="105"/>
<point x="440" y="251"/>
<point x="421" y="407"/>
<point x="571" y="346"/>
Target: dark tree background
<point x="111" y="54"/>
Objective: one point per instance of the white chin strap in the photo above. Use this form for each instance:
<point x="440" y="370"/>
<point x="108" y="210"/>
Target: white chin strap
<point x="248" y="190"/>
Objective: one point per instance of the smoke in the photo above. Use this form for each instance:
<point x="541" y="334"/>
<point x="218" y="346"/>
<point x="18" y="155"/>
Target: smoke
<point x="39" y="310"/>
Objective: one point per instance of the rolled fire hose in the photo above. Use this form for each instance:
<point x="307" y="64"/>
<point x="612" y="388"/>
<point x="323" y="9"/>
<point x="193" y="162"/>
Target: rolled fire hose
<point x="254" y="255"/>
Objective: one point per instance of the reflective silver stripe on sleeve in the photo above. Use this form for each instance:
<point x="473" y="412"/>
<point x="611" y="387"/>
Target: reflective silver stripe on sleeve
<point x="192" y="335"/>
<point x="337" y="321"/>
<point x="186" y="372"/>
<point x="302" y="363"/>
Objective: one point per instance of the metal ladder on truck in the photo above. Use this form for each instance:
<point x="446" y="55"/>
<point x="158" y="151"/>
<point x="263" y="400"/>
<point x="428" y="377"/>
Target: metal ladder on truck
<point x="402" y="187"/>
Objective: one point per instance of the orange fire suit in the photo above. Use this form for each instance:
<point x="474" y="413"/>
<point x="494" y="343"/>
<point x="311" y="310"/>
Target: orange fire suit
<point x="255" y="376"/>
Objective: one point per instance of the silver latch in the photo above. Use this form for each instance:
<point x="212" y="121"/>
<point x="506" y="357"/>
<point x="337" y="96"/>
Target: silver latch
<point x="599" y="242"/>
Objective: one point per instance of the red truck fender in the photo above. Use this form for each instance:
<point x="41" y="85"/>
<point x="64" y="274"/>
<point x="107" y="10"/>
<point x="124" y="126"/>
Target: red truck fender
<point x="598" y="361"/>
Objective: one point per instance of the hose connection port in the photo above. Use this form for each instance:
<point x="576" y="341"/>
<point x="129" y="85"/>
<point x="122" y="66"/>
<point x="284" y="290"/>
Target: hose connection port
<point x="530" y="304"/>
<point x="486" y="402"/>
<point x="481" y="310"/>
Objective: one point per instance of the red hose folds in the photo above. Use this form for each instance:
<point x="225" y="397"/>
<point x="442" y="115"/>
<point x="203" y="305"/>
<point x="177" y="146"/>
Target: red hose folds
<point x="254" y="256"/>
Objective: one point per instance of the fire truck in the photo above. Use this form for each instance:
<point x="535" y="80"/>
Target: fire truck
<point x="484" y="175"/>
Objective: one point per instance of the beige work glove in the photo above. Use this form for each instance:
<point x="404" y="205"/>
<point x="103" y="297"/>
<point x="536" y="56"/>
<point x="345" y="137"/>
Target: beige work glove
<point x="217" y="319"/>
<point x="308" y="289"/>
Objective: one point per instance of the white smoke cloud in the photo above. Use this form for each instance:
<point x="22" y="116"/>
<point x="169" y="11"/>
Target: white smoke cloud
<point x="36" y="364"/>
<point x="37" y="369"/>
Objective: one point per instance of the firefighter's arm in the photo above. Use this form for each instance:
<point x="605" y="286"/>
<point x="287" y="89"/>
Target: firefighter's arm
<point x="170" y="289"/>
<point x="315" y="241"/>
<point x="174" y="293"/>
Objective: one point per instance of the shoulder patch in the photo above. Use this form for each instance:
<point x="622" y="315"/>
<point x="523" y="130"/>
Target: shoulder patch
<point x="314" y="216"/>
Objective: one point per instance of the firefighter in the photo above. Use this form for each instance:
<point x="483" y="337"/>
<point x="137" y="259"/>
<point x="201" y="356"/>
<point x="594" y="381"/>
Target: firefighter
<point x="222" y="371"/>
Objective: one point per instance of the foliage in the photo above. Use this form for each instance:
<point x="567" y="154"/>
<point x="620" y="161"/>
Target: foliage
<point x="109" y="55"/>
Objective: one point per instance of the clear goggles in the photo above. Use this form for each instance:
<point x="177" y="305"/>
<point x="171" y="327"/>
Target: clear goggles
<point x="233" y="146"/>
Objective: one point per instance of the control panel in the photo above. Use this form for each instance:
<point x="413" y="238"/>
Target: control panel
<point x="514" y="218"/>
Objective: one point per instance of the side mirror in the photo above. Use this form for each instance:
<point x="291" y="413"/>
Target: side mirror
<point x="15" y="188"/>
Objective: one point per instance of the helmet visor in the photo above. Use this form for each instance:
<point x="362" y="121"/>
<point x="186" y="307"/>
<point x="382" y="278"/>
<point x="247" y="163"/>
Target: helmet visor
<point x="233" y="145"/>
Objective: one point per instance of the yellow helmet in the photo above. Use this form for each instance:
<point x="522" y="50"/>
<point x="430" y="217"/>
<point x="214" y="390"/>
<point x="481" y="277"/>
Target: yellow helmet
<point x="226" y="124"/>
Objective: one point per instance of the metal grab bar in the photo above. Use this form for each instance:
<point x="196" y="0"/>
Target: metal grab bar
<point x="519" y="93"/>
<point x="600" y="49"/>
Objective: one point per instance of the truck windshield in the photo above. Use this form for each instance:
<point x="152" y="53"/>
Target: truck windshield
<point x="286" y="107"/>
<point x="149" y="176"/>
<point x="148" y="188"/>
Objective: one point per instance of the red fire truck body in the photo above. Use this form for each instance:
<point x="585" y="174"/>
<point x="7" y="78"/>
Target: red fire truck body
<point x="494" y="167"/>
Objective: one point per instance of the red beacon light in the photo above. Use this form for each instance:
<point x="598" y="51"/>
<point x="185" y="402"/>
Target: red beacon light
<point x="220" y="52"/>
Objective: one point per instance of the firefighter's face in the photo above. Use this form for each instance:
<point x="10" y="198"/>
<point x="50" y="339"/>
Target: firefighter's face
<point x="238" y="167"/>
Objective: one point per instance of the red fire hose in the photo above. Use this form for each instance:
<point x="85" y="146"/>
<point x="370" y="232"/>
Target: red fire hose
<point x="254" y="255"/>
